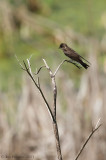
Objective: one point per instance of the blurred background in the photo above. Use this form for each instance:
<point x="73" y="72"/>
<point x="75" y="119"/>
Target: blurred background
<point x="37" y="27"/>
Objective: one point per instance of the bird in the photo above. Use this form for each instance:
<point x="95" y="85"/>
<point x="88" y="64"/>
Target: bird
<point x="73" y="55"/>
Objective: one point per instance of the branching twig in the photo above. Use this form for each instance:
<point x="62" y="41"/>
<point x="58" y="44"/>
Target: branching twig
<point x="41" y="92"/>
<point x="97" y="126"/>
<point x="53" y="115"/>
<point x="69" y="61"/>
<point x="28" y="70"/>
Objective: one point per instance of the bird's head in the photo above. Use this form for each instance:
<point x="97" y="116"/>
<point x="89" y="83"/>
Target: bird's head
<point x="62" y="46"/>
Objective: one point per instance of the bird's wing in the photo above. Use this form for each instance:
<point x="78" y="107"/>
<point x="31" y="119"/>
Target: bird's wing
<point x="71" y="53"/>
<point x="79" y="55"/>
<point x="85" y="59"/>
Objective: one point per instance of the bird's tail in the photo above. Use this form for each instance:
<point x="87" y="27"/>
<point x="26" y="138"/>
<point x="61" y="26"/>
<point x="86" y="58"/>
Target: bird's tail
<point x="84" y="59"/>
<point x="84" y="65"/>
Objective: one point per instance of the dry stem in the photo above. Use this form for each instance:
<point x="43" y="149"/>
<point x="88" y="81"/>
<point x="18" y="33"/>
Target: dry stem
<point x="53" y="115"/>
<point x="97" y="126"/>
<point x="37" y="84"/>
<point x="55" y="127"/>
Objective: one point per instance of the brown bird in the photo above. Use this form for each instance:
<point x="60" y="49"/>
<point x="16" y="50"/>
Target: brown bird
<point x="73" y="55"/>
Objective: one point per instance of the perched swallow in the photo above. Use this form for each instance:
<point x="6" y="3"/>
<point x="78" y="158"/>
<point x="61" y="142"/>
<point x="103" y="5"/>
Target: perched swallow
<point x="73" y="55"/>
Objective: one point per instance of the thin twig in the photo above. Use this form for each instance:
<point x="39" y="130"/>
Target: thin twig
<point x="97" y="126"/>
<point x="19" y="62"/>
<point x="58" y="67"/>
<point x="39" y="70"/>
<point x="70" y="61"/>
<point x="50" y="72"/>
<point x="38" y="82"/>
<point x="29" y="65"/>
<point x="30" y="57"/>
